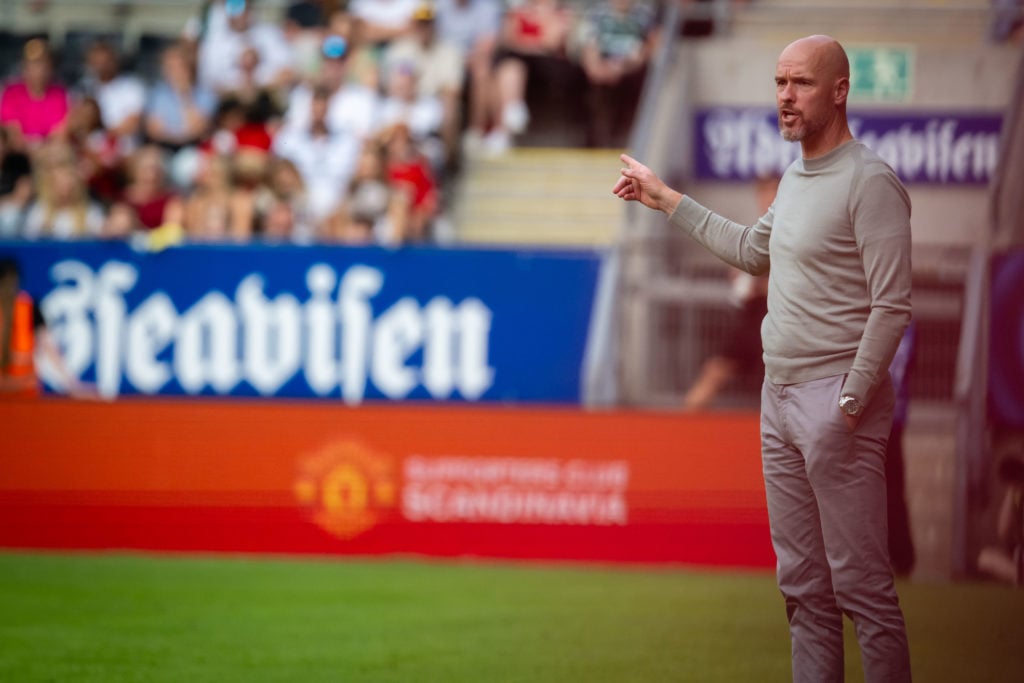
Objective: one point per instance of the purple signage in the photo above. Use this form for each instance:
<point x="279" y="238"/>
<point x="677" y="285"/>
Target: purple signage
<point x="741" y="143"/>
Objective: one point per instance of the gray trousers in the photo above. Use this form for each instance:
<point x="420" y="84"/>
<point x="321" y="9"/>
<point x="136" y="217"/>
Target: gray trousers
<point x="827" y="511"/>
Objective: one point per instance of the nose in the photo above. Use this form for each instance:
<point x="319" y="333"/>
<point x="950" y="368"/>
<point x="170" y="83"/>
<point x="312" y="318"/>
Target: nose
<point x="785" y="92"/>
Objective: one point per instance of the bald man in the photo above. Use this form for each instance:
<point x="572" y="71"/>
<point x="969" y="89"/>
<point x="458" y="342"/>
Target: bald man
<point x="837" y="241"/>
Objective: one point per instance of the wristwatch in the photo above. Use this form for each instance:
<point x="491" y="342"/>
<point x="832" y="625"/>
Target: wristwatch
<point x="850" y="406"/>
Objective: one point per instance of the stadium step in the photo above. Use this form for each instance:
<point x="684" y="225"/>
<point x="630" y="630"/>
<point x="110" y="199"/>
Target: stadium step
<point x="549" y="196"/>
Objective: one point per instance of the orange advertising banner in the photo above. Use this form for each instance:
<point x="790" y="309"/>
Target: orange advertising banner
<point x="310" y="477"/>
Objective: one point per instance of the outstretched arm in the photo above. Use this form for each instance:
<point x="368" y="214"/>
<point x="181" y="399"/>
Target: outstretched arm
<point x="744" y="247"/>
<point x="640" y="184"/>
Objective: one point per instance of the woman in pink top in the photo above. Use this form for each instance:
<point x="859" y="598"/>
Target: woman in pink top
<point x="34" y="107"/>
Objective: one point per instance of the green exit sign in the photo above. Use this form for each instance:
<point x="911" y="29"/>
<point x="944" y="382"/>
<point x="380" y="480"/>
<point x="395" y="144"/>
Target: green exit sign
<point x="881" y="74"/>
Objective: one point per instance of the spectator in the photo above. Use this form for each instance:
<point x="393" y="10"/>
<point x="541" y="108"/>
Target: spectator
<point x="618" y="40"/>
<point x="34" y="107"/>
<point x="148" y="201"/>
<point x="246" y="141"/>
<point x="1004" y="559"/>
<point x="216" y="210"/>
<point x="374" y="210"/>
<point x="179" y="112"/>
<point x="533" y="49"/>
<point x="285" y="185"/>
<point x="384" y="20"/>
<point x="305" y="24"/>
<point x="408" y="170"/>
<point x="26" y="346"/>
<point x="422" y="114"/>
<point x="220" y="51"/>
<point x="62" y="208"/>
<point x="473" y="26"/>
<point x="362" y="66"/>
<point x="100" y="153"/>
<point x="440" y="70"/>
<point x="326" y="157"/>
<point x="353" y="109"/>
<point x="742" y="352"/>
<point x="263" y="105"/>
<point x="121" y="97"/>
<point x="16" y="188"/>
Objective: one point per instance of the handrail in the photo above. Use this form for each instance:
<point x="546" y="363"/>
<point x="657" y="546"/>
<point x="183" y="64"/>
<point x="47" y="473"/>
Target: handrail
<point x="600" y="370"/>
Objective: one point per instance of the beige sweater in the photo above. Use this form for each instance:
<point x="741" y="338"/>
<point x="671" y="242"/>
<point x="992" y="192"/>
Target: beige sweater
<point x="837" y="240"/>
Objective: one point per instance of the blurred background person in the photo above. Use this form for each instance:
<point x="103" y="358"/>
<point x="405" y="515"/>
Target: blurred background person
<point x="100" y="152"/>
<point x="220" y="51"/>
<point x="305" y="25"/>
<point x="121" y="96"/>
<point x="383" y="20"/>
<point x="16" y="188"/>
<point x="743" y="352"/>
<point x="24" y="339"/>
<point x="473" y="26"/>
<point x="439" y="71"/>
<point x="34" y="106"/>
<point x="325" y="157"/>
<point x="533" y="52"/>
<point x="179" y="111"/>
<point x="215" y="210"/>
<point x="617" y="40"/>
<point x="408" y="170"/>
<point x="352" y="108"/>
<point x="148" y="201"/>
<point x="362" y="67"/>
<point x="374" y="210"/>
<point x="62" y="208"/>
<point x="422" y="113"/>
<point x="284" y="185"/>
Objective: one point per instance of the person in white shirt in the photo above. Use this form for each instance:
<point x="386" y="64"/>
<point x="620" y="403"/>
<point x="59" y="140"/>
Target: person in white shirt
<point x="326" y="158"/>
<point x="473" y="26"/>
<point x="440" y="69"/>
<point x="422" y="114"/>
<point x="352" y="108"/>
<point x="220" y="51"/>
<point x="384" y="20"/>
<point x="121" y="97"/>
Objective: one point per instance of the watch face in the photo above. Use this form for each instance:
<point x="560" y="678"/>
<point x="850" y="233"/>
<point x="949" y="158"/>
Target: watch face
<point x="850" y="406"/>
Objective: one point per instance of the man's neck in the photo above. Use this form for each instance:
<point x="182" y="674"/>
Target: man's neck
<point x="826" y="141"/>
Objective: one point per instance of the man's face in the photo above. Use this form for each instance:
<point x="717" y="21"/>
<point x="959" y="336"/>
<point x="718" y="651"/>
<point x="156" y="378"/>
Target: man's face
<point x="804" y="92"/>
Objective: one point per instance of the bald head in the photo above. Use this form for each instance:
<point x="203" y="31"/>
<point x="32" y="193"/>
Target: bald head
<point x="821" y="54"/>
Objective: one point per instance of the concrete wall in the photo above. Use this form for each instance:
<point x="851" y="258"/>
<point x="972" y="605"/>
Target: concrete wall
<point x="739" y="71"/>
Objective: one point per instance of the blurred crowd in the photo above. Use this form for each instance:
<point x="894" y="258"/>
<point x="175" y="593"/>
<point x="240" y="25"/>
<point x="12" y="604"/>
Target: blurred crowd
<point x="331" y="121"/>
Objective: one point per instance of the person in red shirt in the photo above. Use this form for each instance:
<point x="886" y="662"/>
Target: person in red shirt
<point x="34" y="107"/>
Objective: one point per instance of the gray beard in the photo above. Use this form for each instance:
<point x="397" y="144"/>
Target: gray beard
<point x="792" y="135"/>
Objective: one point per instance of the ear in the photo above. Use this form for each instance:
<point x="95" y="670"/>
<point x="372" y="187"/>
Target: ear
<point x="842" y="90"/>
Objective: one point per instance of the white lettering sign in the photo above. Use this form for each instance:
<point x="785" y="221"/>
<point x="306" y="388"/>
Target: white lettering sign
<point x="333" y="339"/>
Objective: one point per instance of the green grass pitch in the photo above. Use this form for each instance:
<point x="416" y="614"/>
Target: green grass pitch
<point x="129" y="617"/>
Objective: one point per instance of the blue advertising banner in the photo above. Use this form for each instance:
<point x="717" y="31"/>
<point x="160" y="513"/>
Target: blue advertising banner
<point x="742" y="143"/>
<point x="1006" y="341"/>
<point x="338" y="322"/>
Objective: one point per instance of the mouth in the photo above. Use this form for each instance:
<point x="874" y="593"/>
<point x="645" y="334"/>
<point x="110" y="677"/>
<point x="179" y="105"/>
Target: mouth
<point x="787" y="116"/>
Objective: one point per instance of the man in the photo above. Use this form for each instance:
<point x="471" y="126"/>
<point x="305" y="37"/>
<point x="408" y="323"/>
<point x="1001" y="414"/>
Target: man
<point x="439" y="70"/>
<point x="353" y="108"/>
<point x="837" y="239"/>
<point x="121" y="96"/>
<point x="221" y="48"/>
<point x="619" y="39"/>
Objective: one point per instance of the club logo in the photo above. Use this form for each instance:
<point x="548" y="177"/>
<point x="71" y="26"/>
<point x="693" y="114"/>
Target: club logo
<point x="346" y="488"/>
